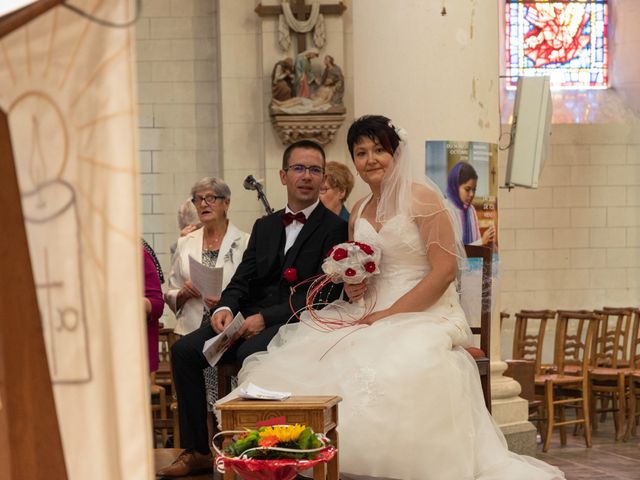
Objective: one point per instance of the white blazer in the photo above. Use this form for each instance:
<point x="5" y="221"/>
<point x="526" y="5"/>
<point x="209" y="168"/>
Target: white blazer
<point x="234" y="243"/>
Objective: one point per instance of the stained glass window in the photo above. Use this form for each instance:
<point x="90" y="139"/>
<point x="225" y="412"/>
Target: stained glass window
<point x="564" y="40"/>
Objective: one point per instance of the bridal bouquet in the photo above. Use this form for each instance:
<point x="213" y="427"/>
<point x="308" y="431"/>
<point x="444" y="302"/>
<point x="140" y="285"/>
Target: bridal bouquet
<point x="273" y="453"/>
<point x="351" y="262"/>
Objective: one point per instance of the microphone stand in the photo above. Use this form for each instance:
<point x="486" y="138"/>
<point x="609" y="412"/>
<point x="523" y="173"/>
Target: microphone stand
<point x="250" y="183"/>
<point x="263" y="198"/>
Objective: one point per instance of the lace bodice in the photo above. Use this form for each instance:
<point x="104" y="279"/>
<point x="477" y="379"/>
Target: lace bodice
<point x="403" y="263"/>
<point x="403" y="257"/>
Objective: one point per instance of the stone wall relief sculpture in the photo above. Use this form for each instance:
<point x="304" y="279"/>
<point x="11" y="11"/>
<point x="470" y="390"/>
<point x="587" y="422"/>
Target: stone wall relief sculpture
<point x="296" y="89"/>
<point x="306" y="97"/>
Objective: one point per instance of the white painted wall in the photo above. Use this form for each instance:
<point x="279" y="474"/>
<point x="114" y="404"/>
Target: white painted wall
<point x="435" y="75"/>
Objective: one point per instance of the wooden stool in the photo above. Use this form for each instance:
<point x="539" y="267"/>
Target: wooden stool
<point x="320" y="413"/>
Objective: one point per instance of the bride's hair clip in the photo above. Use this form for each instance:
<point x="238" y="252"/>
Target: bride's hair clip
<point x="401" y="132"/>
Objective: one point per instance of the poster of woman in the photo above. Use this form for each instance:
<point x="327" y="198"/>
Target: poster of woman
<point x="466" y="172"/>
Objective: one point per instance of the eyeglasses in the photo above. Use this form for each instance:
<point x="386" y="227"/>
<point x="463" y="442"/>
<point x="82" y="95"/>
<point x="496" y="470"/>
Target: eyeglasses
<point x="208" y="199"/>
<point x="301" y="169"/>
<point x="324" y="190"/>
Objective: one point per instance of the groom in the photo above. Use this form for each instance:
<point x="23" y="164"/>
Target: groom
<point x="285" y="248"/>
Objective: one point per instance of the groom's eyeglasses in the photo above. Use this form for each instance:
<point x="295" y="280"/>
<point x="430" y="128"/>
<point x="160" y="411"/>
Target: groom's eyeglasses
<point x="298" y="169"/>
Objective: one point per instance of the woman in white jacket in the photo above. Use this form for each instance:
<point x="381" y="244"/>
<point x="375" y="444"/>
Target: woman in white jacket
<point x="218" y="243"/>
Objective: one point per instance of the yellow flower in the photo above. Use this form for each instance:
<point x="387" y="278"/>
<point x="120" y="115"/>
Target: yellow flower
<point x="284" y="433"/>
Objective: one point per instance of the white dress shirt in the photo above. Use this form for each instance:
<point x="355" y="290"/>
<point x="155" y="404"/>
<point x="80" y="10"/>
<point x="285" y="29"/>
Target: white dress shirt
<point x="292" y="230"/>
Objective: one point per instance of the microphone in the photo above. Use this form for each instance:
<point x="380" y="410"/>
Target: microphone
<point x="250" y="183"/>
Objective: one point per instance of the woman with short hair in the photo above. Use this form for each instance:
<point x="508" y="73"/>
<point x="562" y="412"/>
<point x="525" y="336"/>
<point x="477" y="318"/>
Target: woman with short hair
<point x="337" y="186"/>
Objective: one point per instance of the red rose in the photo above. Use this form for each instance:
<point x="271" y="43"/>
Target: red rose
<point x="339" y="254"/>
<point x="290" y="275"/>
<point x="349" y="272"/>
<point x="365" y="248"/>
<point x="370" y="267"/>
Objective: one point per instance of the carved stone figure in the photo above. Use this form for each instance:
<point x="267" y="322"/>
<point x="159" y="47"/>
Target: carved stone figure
<point x="282" y="80"/>
<point x="304" y="76"/>
<point x="333" y="78"/>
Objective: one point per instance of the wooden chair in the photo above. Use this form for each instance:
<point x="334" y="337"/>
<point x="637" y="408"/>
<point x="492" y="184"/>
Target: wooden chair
<point x="164" y="379"/>
<point x="633" y="378"/>
<point x="528" y="336"/>
<point x="504" y="315"/>
<point x="159" y="410"/>
<point x="163" y="374"/>
<point x="610" y="367"/>
<point x="574" y="340"/>
<point x="528" y="343"/>
<point x="482" y="355"/>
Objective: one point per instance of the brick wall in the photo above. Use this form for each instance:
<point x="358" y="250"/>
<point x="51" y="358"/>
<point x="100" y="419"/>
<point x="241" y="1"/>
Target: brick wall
<point x="574" y="242"/>
<point x="178" y="112"/>
<point x="178" y="103"/>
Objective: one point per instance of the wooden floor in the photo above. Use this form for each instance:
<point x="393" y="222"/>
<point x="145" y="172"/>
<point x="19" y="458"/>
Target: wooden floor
<point x="606" y="460"/>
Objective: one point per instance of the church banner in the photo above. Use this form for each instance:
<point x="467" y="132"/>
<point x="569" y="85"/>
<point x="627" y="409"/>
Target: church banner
<point x="67" y="87"/>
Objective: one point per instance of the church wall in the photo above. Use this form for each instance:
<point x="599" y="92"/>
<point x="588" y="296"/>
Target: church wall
<point x="178" y="110"/>
<point x="573" y="243"/>
<point x="624" y="41"/>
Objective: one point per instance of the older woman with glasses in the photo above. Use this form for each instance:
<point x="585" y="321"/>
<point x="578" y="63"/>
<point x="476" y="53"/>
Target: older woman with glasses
<point x="218" y="243"/>
<point x="336" y="188"/>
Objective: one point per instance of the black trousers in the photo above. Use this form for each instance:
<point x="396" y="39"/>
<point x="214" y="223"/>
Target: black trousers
<point x="188" y="361"/>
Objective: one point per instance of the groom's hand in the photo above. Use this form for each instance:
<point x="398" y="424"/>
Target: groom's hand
<point x="221" y="319"/>
<point x="252" y="325"/>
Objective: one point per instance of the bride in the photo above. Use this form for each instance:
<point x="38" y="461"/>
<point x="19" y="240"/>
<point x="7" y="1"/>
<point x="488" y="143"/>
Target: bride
<point x="412" y="404"/>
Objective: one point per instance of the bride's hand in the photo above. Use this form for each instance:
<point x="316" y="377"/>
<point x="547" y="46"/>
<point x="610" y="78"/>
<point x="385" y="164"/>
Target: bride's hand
<point x="373" y="317"/>
<point x="355" y="291"/>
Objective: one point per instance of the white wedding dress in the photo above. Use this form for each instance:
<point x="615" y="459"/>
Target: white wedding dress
<point x="412" y="405"/>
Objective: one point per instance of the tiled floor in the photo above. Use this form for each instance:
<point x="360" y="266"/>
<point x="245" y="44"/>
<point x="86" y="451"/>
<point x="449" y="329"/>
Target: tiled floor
<point x="606" y="460"/>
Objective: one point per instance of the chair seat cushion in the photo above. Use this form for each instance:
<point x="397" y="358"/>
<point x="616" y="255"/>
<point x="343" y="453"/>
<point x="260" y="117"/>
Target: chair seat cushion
<point x="609" y="372"/>
<point x="476" y="352"/>
<point x="555" y="378"/>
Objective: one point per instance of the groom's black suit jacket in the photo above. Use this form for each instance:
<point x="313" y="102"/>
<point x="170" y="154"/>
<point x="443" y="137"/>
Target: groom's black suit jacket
<point x="258" y="285"/>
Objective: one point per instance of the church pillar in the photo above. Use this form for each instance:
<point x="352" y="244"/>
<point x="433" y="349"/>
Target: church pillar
<point x="433" y="67"/>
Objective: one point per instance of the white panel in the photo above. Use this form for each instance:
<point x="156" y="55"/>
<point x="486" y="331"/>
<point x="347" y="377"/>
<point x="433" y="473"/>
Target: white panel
<point x="530" y="132"/>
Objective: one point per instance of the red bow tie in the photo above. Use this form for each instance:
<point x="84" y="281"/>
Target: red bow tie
<point x="289" y="217"/>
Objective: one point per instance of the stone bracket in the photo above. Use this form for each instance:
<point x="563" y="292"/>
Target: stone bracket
<point x="319" y="127"/>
